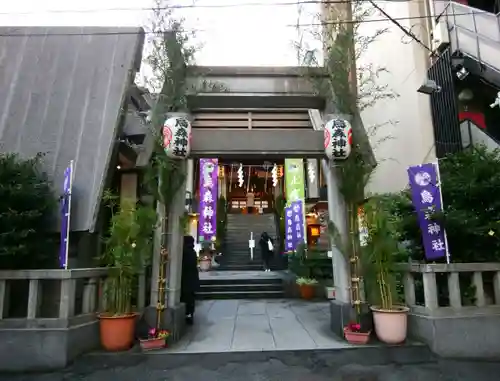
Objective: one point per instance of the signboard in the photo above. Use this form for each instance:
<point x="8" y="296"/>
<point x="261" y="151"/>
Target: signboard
<point x="427" y="200"/>
<point x="207" y="225"/>
<point x="294" y="180"/>
<point x="294" y="226"/>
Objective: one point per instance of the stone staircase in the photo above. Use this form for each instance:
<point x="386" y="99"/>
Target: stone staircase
<point x="236" y="256"/>
<point x="258" y="286"/>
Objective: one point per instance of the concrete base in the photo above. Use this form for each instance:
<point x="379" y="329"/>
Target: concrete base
<point x="290" y="287"/>
<point x="474" y="336"/>
<point x="340" y="315"/>
<point x="46" y="349"/>
<point x="173" y="319"/>
<point x="332" y="359"/>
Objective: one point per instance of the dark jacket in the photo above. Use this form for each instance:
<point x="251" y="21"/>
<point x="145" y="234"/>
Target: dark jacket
<point x="190" y="280"/>
<point x="264" y="245"/>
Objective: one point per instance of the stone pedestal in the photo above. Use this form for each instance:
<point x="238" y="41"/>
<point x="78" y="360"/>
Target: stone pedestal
<point x="341" y="314"/>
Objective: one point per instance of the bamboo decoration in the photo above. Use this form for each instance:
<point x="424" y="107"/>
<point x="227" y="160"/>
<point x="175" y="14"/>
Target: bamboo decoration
<point x="354" y="261"/>
<point x="162" y="281"/>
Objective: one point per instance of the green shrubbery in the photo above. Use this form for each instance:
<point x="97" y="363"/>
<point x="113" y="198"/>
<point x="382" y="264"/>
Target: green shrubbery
<point x="27" y="206"/>
<point x="471" y="216"/>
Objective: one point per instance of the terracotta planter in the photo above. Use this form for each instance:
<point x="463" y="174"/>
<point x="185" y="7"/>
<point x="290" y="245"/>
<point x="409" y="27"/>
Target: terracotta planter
<point x="391" y="325"/>
<point x="117" y="332"/>
<point x="205" y="264"/>
<point x="356" y="337"/>
<point x="307" y="291"/>
<point x="148" y="344"/>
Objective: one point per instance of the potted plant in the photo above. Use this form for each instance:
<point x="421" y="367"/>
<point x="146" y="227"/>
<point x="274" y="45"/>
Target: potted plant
<point x="206" y="256"/>
<point x="307" y="287"/>
<point x="128" y="247"/>
<point x="356" y="333"/>
<point x="156" y="339"/>
<point x="205" y="262"/>
<point x="389" y="316"/>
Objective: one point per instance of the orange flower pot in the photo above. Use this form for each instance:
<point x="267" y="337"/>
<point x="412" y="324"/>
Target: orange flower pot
<point x="117" y="332"/>
<point x="307" y="291"/>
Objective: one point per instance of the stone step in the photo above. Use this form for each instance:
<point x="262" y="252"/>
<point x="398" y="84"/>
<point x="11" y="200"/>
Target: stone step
<point x="237" y="287"/>
<point x="410" y="361"/>
<point x="231" y="224"/>
<point x="252" y="267"/>
<point x="255" y="230"/>
<point x="264" y="278"/>
<point x="242" y="263"/>
<point x="240" y="295"/>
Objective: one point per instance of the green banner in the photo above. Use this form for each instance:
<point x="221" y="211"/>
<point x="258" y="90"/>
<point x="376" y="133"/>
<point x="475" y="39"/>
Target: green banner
<point x="294" y="180"/>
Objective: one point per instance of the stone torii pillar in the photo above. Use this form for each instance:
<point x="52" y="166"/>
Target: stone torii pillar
<point x="341" y="310"/>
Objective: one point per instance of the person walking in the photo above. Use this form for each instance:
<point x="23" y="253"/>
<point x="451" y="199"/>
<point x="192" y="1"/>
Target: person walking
<point x="267" y="250"/>
<point x="190" y="279"/>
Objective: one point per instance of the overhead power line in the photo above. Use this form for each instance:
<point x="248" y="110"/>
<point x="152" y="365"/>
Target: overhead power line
<point x="206" y="6"/>
<point x="401" y="27"/>
<point x="124" y="32"/>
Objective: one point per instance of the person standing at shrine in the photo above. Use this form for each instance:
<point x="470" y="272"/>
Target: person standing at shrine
<point x="266" y="250"/>
<point x="190" y="280"/>
<point x="250" y="201"/>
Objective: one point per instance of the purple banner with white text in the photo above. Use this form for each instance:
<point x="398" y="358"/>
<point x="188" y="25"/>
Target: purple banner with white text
<point x="207" y="224"/>
<point x="294" y="226"/>
<point x="426" y="196"/>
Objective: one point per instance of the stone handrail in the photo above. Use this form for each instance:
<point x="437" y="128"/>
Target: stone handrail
<point x="92" y="279"/>
<point x="431" y="305"/>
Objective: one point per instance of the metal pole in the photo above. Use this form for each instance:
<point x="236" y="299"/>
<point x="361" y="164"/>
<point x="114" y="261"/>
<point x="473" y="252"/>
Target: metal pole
<point x="66" y="254"/>
<point x="251" y="245"/>
<point x="438" y="178"/>
<point x="249" y="174"/>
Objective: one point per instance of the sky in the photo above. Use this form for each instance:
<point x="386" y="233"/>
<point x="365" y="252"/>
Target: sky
<point x="230" y="32"/>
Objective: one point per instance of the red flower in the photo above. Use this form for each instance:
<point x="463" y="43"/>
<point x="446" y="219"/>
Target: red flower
<point x="354" y="327"/>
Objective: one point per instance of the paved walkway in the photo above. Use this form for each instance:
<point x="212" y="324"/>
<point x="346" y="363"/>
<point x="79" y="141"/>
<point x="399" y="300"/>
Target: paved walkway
<point x="247" y="325"/>
<point x="275" y="370"/>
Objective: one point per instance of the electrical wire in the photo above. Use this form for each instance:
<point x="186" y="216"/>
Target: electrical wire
<point x="207" y="6"/>
<point x="401" y="27"/>
<point x="124" y="32"/>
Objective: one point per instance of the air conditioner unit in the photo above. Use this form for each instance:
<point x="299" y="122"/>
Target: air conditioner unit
<point x="440" y="37"/>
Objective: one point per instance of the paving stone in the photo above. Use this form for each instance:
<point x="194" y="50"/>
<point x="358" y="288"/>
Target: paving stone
<point x="274" y="370"/>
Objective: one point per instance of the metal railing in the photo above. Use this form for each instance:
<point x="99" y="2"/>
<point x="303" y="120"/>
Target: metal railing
<point x="472" y="31"/>
<point x="474" y="135"/>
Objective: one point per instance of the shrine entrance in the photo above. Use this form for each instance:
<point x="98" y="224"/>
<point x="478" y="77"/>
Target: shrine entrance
<point x="249" y="186"/>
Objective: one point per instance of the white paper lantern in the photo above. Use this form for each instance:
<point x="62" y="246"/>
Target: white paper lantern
<point x="177" y="137"/>
<point x="338" y="139"/>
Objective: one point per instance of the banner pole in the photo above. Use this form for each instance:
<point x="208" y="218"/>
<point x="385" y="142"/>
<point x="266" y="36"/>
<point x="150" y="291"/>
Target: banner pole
<point x="66" y="254"/>
<point x="438" y="178"/>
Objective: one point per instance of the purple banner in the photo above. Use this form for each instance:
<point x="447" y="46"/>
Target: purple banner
<point x="426" y="196"/>
<point x="289" y="235"/>
<point x="65" y="216"/>
<point x="294" y="225"/>
<point x="207" y="224"/>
